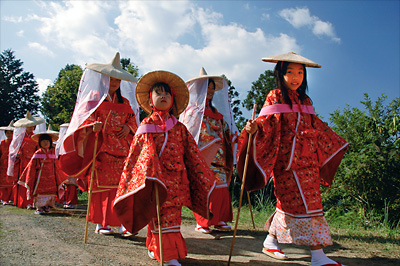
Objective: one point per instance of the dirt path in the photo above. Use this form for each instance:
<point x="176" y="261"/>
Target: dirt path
<point x="57" y="239"/>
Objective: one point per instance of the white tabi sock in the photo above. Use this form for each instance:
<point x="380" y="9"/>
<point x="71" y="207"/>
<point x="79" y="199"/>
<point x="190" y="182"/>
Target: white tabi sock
<point x="318" y="258"/>
<point x="271" y="243"/>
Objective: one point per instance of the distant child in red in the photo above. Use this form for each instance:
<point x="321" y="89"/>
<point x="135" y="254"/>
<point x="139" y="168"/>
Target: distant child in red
<point x="21" y="150"/>
<point x="41" y="176"/>
<point x="5" y="184"/>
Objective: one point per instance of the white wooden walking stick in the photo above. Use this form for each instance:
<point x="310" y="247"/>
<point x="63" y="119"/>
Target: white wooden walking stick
<point x="159" y="226"/>
<point x="242" y="189"/>
<point x="90" y="188"/>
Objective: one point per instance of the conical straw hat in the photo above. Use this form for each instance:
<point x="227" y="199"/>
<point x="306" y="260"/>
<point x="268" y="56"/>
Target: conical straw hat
<point x="147" y="82"/>
<point x="29" y="121"/>
<point x="113" y="69"/>
<point x="203" y="75"/>
<point x="53" y="134"/>
<point x="10" y="127"/>
<point x="292" y="58"/>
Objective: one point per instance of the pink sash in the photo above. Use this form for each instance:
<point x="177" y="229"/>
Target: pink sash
<point x="285" y="108"/>
<point x="43" y="156"/>
<point x="151" y="128"/>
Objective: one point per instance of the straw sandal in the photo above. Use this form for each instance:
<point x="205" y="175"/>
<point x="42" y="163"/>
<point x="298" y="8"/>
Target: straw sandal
<point x="272" y="253"/>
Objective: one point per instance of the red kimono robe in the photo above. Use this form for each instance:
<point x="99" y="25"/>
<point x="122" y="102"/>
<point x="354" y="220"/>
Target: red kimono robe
<point x="5" y="184"/>
<point x="110" y="156"/>
<point x="41" y="178"/>
<point x="26" y="151"/>
<point x="215" y="132"/>
<point x="300" y="152"/>
<point x="171" y="161"/>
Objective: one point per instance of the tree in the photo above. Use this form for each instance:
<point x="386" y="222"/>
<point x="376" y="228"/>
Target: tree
<point x="369" y="175"/>
<point x="59" y="99"/>
<point x="259" y="91"/>
<point x="17" y="89"/>
<point x="131" y="68"/>
<point x="235" y="105"/>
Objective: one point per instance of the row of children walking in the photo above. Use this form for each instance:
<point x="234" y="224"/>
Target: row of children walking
<point x="31" y="176"/>
<point x="164" y="162"/>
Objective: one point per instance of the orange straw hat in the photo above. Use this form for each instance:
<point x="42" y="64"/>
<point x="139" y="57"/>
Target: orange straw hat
<point x="53" y="134"/>
<point x="292" y="58"/>
<point x="113" y="69"/>
<point x="219" y="81"/>
<point x="10" y="127"/>
<point x="29" y="121"/>
<point x="146" y="83"/>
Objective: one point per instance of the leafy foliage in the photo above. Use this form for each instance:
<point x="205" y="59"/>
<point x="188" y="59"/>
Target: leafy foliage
<point x="259" y="91"/>
<point x="369" y="175"/>
<point x="17" y="89"/>
<point x="131" y="68"/>
<point x="59" y="99"/>
<point x="235" y="105"/>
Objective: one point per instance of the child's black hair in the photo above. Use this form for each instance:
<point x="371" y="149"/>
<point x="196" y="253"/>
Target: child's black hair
<point x="45" y="137"/>
<point x="279" y="71"/>
<point x="210" y="101"/>
<point x="119" y="96"/>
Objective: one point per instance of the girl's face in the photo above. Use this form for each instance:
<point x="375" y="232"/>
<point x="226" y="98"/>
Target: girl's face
<point x="9" y="134"/>
<point x="161" y="99"/>
<point x="210" y="91"/>
<point x="114" y="84"/>
<point x="45" y="144"/>
<point x="294" y="76"/>
<point x="30" y="129"/>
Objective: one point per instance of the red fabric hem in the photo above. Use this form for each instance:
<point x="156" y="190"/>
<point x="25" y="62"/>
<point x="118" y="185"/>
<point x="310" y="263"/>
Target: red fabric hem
<point x="174" y="246"/>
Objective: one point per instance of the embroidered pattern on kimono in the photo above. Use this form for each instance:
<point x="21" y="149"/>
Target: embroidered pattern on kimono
<point x="217" y="131"/>
<point x="170" y="159"/>
<point x="41" y="176"/>
<point x="111" y="150"/>
<point x="4" y="182"/>
<point x="298" y="150"/>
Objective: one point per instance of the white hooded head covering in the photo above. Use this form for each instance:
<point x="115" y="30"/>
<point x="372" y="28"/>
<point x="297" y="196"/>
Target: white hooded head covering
<point x="192" y="117"/>
<point x="93" y="89"/>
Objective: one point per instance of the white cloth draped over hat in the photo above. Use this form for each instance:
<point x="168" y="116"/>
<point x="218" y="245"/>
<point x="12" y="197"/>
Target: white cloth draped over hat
<point x="18" y="137"/>
<point x="192" y="117"/>
<point x="61" y="135"/>
<point x="93" y="90"/>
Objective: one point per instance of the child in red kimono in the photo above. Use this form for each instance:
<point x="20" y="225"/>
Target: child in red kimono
<point x="292" y="145"/>
<point x="41" y="176"/>
<point x="163" y="157"/>
<point x="5" y="184"/>
<point x="21" y="150"/>
<point x="214" y="131"/>
<point x="103" y="117"/>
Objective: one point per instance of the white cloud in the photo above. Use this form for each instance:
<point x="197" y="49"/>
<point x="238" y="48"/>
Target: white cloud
<point x="20" y="33"/>
<point x="12" y="19"/>
<point x="40" y="48"/>
<point x="43" y="83"/>
<point x="265" y="16"/>
<point x="301" y="17"/>
<point x="178" y="36"/>
<point x="79" y="26"/>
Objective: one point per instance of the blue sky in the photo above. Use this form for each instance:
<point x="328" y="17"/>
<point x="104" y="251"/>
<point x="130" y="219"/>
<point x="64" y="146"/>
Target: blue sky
<point x="356" y="42"/>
